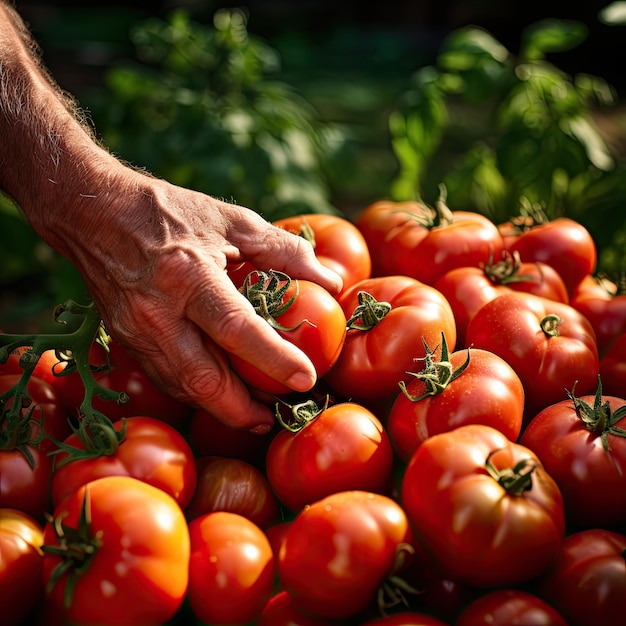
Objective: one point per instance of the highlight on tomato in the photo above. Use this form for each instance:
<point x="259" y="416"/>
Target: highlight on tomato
<point x="341" y="551"/>
<point x="116" y="551"/>
<point x="231" y="569"/>
<point x="303" y="313"/>
<point x="338" y="244"/>
<point x="324" y="449"/>
<point x="389" y="319"/>
<point x="473" y="496"/>
<point x="21" y="559"/>
<point x="504" y="607"/>
<point x="581" y="442"/>
<point x="142" y="447"/>
<point x="470" y="386"/>
<point x="587" y="583"/>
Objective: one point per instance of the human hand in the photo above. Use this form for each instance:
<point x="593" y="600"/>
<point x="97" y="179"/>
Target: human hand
<point x="154" y="262"/>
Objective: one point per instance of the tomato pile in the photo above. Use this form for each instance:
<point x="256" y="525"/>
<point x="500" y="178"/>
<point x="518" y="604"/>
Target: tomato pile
<point x="461" y="459"/>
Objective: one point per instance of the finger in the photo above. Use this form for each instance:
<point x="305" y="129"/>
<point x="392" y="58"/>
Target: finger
<point x="200" y="376"/>
<point x="231" y="321"/>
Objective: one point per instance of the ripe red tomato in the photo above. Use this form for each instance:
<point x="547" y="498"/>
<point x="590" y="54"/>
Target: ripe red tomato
<point x="587" y="584"/>
<point x="123" y="374"/>
<point x="506" y="607"/>
<point x="471" y="386"/>
<point x="473" y="496"/>
<point x="303" y="313"/>
<point x="604" y="308"/>
<point x="233" y="485"/>
<point x="563" y="243"/>
<point x="151" y="451"/>
<point x="129" y="557"/>
<point x="21" y="538"/>
<point x="467" y="289"/>
<point x="549" y="344"/>
<point x="338" y="244"/>
<point x="337" y="448"/>
<point x="340" y="550"/>
<point x="613" y="368"/>
<point x="390" y="319"/>
<point x="231" y="569"/>
<point x="48" y="366"/>
<point x="424" y="243"/>
<point x="582" y="444"/>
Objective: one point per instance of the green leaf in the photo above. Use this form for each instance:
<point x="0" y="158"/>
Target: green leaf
<point x="551" y="35"/>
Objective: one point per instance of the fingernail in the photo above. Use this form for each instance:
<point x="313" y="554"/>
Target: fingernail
<point x="333" y="278"/>
<point x="261" y="429"/>
<point x="301" y="381"/>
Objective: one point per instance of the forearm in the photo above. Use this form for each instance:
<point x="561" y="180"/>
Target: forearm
<point x="50" y="163"/>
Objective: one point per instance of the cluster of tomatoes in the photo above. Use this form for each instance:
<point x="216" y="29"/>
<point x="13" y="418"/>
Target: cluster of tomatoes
<point x="461" y="460"/>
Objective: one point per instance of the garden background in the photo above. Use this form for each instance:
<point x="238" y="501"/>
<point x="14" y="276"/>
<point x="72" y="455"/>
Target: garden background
<point x="293" y="106"/>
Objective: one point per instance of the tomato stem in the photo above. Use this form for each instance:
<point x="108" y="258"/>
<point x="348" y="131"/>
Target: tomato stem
<point x="75" y="547"/>
<point x="550" y="325"/>
<point x="302" y="414"/>
<point x="515" y="480"/>
<point x="599" y="419"/>
<point x="368" y="312"/>
<point x="266" y="292"/>
<point x="436" y="375"/>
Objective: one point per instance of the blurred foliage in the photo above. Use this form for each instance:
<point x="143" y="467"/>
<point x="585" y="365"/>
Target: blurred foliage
<point x="503" y="131"/>
<point x="202" y="107"/>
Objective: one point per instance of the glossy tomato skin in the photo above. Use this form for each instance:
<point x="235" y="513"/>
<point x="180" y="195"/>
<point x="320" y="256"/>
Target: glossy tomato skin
<point x="152" y="451"/>
<point x="613" y="368"/>
<point x="338" y="244"/>
<point x="605" y="310"/>
<point x="140" y="572"/>
<point x="404" y="245"/>
<point x="547" y="361"/>
<point x="231" y="569"/>
<point x="21" y="538"/>
<point x="373" y="361"/>
<point x="510" y="607"/>
<point x="340" y="549"/>
<point x="591" y="478"/>
<point x="235" y="486"/>
<point x="487" y="392"/>
<point x="467" y="289"/>
<point x="563" y="243"/>
<point x="464" y="516"/>
<point x="25" y="486"/>
<point x="315" y="323"/>
<point x="587" y="584"/>
<point x="345" y="447"/>
<point x="124" y="374"/>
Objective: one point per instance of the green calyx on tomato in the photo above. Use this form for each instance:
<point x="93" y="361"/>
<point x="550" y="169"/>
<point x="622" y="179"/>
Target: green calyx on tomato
<point x="266" y="292"/>
<point x="514" y="480"/>
<point x="368" y="312"/>
<point x="22" y="432"/>
<point x="302" y="414"/>
<point x="436" y="375"/>
<point x="506" y="271"/>
<point x="598" y="418"/>
<point x="76" y="547"/>
<point x="394" y="590"/>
